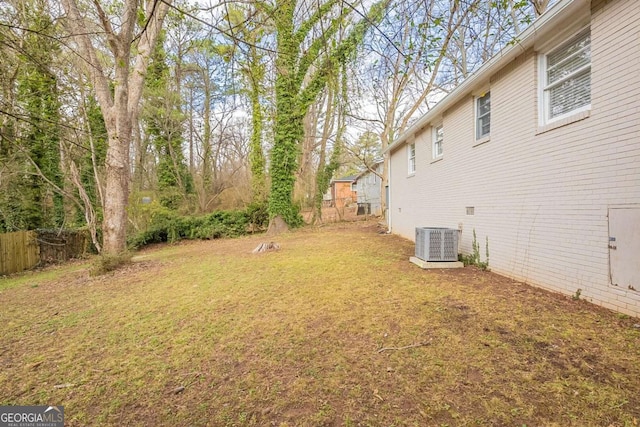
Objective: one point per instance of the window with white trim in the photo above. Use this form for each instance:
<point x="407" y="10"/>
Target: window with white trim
<point x="566" y="78"/>
<point x="483" y="115"/>
<point x="411" y="154"/>
<point x="438" y="139"/>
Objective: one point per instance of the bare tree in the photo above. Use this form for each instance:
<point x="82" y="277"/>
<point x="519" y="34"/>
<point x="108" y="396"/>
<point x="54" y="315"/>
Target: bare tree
<point x="426" y="48"/>
<point x="408" y="57"/>
<point x="118" y="87"/>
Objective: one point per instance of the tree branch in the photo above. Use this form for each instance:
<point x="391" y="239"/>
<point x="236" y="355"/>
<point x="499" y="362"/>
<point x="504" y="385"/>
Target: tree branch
<point x="75" y="25"/>
<point x="319" y="13"/>
<point x="106" y="24"/>
<point x="147" y="39"/>
<point x="345" y="49"/>
<point x="313" y="52"/>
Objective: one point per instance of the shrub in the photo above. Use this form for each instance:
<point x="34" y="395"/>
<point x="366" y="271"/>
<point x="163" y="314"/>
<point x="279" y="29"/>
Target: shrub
<point x="474" y="258"/>
<point x="106" y="263"/>
<point x="166" y="225"/>
<point x="258" y="214"/>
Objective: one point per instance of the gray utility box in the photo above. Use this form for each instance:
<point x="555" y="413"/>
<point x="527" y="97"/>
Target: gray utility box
<point x="436" y="244"/>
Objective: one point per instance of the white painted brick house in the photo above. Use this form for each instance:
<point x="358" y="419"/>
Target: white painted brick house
<point x="540" y="152"/>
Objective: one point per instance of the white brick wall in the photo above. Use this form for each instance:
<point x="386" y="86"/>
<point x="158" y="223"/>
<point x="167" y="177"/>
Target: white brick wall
<point x="542" y="198"/>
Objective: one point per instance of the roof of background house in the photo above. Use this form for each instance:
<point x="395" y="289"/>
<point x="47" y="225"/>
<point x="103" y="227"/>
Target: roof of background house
<point x="545" y="25"/>
<point x="366" y="171"/>
<point x="349" y="178"/>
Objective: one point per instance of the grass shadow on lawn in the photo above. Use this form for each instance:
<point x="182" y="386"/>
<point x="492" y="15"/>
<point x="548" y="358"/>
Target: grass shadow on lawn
<point x="205" y="333"/>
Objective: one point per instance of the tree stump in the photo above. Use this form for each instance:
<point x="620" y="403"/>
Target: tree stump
<point x="277" y="225"/>
<point x="266" y="247"/>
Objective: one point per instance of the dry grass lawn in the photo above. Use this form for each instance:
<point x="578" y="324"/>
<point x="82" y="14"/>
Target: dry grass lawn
<point x="207" y="334"/>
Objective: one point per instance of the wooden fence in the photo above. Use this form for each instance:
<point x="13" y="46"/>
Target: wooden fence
<point x="18" y="251"/>
<point x="61" y="245"/>
<point x="22" y="250"/>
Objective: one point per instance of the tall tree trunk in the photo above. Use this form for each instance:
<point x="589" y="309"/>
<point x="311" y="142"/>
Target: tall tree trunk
<point x="206" y="137"/>
<point x="289" y="129"/>
<point x="325" y="171"/>
<point x="256" y="155"/>
<point x="117" y="166"/>
<point x="119" y="108"/>
<point x="304" y="174"/>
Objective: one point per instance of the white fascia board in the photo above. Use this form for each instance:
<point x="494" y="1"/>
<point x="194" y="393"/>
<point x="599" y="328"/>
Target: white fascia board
<point x="540" y="28"/>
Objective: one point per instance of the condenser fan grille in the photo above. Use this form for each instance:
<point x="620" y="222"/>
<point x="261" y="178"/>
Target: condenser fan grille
<point x="436" y="244"/>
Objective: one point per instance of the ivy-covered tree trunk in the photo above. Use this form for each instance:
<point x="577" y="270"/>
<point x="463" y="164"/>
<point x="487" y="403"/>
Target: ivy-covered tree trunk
<point x="305" y="59"/>
<point x="31" y="196"/>
<point x="289" y="127"/>
<point x="164" y="121"/>
<point x="256" y="155"/>
<point x="284" y="161"/>
<point x="42" y="207"/>
<point x="96" y="153"/>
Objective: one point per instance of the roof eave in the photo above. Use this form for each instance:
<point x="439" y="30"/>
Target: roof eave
<point x="525" y="40"/>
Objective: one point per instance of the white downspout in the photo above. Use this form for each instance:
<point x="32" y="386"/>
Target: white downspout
<point x="390" y="198"/>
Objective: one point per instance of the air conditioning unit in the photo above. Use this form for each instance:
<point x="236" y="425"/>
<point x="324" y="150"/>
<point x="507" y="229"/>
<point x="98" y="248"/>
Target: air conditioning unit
<point x="436" y="244"/>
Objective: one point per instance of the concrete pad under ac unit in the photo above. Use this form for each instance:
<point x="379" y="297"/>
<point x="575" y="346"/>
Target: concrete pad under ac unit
<point x="435" y="264"/>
